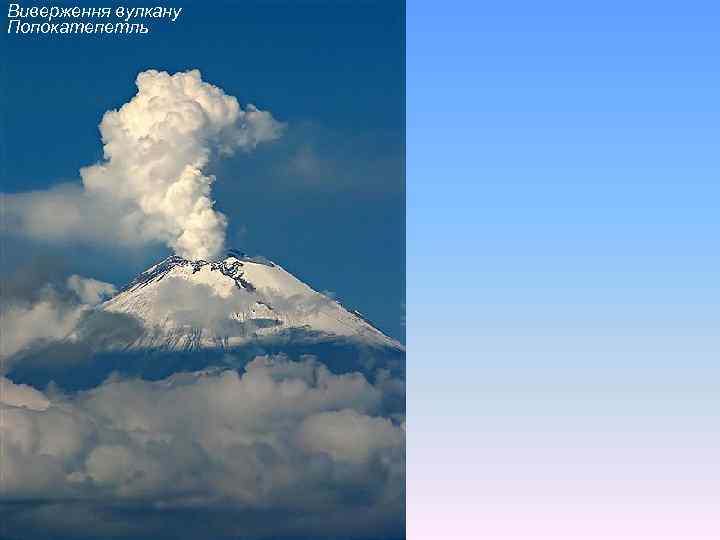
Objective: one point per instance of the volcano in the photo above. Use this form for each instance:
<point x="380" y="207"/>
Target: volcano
<point x="188" y="305"/>
<point x="186" y="315"/>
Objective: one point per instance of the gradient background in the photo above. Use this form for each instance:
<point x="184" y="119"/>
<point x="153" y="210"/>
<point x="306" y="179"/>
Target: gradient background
<point x="563" y="263"/>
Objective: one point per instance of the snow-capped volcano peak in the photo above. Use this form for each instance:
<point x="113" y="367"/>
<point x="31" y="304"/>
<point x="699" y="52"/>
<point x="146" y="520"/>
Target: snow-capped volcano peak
<point x="189" y="305"/>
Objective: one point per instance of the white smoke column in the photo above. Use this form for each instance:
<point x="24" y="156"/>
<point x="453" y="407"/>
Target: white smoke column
<point x="156" y="147"/>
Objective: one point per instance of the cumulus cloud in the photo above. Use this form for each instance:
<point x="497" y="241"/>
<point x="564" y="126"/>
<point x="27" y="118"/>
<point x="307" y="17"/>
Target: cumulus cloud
<point x="45" y="319"/>
<point x="49" y="313"/>
<point x="347" y="435"/>
<point x="151" y="186"/>
<point x="21" y="395"/>
<point x="282" y="449"/>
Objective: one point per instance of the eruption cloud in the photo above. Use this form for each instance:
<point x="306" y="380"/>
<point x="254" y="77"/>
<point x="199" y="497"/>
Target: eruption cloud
<point x="156" y="148"/>
<point x="151" y="186"/>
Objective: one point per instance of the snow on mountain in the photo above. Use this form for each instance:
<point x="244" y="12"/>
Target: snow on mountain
<point x="189" y="305"/>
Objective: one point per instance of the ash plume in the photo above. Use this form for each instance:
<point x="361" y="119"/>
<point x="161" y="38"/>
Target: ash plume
<point x="152" y="185"/>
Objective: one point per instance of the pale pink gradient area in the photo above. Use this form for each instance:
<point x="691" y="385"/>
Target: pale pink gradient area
<point x="531" y="442"/>
<point x="465" y="483"/>
<point x="549" y="437"/>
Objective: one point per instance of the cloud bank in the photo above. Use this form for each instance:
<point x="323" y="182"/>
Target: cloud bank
<point x="283" y="449"/>
<point x="151" y="186"/>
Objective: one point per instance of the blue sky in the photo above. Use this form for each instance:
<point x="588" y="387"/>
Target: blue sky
<point x="563" y="166"/>
<point x="333" y="71"/>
